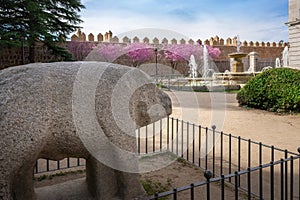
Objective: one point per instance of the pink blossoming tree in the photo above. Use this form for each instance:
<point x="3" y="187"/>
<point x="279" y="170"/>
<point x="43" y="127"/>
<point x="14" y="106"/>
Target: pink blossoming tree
<point x="139" y="53"/>
<point x="175" y="53"/>
<point x="213" y="52"/>
<point x="109" y="52"/>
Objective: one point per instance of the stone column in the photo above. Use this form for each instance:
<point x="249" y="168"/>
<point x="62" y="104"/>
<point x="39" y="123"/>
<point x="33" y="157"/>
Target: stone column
<point x="253" y="56"/>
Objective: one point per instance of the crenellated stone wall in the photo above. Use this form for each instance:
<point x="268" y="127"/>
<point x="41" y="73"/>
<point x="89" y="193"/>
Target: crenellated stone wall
<point x="265" y="50"/>
<point x="213" y="41"/>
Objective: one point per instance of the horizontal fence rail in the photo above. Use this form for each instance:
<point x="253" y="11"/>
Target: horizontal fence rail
<point x="221" y="153"/>
<point x="278" y="188"/>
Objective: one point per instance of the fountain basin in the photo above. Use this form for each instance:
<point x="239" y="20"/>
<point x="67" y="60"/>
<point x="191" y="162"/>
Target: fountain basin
<point x="236" y="77"/>
<point x="237" y="65"/>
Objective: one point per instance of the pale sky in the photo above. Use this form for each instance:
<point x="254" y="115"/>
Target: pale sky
<point x="256" y="20"/>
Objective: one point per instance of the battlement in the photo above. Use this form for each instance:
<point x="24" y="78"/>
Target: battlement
<point x="213" y="41"/>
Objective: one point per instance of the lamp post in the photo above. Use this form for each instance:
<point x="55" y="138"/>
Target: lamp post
<point x="155" y="51"/>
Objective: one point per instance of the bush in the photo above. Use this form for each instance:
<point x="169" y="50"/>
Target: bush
<point x="275" y="90"/>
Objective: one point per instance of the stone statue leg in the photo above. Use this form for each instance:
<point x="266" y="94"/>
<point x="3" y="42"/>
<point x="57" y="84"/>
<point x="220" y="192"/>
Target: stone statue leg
<point x="23" y="183"/>
<point x="23" y="186"/>
<point x="101" y="180"/>
<point x="5" y="188"/>
<point x="131" y="187"/>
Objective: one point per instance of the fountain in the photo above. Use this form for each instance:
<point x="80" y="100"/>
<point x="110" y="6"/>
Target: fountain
<point x="205" y="60"/>
<point x="237" y="65"/>
<point x="237" y="75"/>
<point x="193" y="67"/>
<point x="285" y="57"/>
<point x="277" y="63"/>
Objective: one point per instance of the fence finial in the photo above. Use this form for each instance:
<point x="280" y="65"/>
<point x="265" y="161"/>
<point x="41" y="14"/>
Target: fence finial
<point x="298" y="149"/>
<point x="208" y="175"/>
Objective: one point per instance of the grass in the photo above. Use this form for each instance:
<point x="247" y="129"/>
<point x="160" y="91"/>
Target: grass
<point x="50" y="176"/>
<point x="151" y="187"/>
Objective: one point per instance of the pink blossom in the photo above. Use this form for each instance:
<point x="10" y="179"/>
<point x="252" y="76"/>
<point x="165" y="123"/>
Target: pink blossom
<point x="139" y="52"/>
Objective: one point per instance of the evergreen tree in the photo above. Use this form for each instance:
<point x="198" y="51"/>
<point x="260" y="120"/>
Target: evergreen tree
<point x="46" y="21"/>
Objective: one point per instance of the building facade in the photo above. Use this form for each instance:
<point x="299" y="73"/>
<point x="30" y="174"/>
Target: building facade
<point x="294" y="33"/>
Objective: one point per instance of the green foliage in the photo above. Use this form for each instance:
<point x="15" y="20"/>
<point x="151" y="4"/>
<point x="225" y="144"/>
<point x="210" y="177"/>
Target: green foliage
<point x="274" y="90"/>
<point x="33" y="21"/>
<point x="152" y="187"/>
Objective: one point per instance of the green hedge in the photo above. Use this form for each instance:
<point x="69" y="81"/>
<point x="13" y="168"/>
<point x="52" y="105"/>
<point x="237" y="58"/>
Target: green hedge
<point x="275" y="90"/>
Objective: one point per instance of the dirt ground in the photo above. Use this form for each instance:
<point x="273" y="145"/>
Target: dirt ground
<point x="222" y="110"/>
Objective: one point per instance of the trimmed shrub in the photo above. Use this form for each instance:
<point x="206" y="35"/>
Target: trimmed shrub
<point x="274" y="90"/>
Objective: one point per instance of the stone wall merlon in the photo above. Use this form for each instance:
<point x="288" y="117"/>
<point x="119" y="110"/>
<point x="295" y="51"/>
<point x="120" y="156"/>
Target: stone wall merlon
<point x="213" y="41"/>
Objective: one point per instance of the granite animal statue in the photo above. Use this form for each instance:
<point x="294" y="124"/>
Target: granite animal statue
<point x="38" y="104"/>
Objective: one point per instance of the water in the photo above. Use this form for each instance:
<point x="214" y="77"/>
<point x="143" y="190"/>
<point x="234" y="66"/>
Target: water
<point x="285" y="57"/>
<point x="205" y="62"/>
<point x="193" y="67"/>
<point x="266" y="68"/>
<point x="277" y="63"/>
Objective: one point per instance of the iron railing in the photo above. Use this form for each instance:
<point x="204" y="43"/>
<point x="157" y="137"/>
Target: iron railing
<point x="281" y="186"/>
<point x="226" y="156"/>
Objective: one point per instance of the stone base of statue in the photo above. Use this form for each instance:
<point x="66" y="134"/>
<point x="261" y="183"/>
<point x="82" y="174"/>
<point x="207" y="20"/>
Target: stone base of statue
<point x="237" y="65"/>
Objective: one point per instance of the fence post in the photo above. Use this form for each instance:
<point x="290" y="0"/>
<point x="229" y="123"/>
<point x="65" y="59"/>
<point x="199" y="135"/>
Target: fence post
<point x="175" y="194"/>
<point x="221" y="159"/>
<point x="208" y="175"/>
<point x="172" y="135"/>
<point x="182" y="123"/>
<point x="239" y="156"/>
<point x="139" y="141"/>
<point x="222" y="187"/>
<point x="153" y="137"/>
<point x="292" y="178"/>
<point x="282" y="178"/>
<point x="160" y="135"/>
<point x="187" y="141"/>
<point x="36" y="166"/>
<point x="177" y="137"/>
<point x="260" y="182"/>
<point x="249" y="182"/>
<point x="236" y="185"/>
<point x="272" y="180"/>
<point x="206" y="148"/>
<point x="299" y="170"/>
<point x="229" y="162"/>
<point x="193" y="143"/>
<point x="168" y="131"/>
<point x="192" y="191"/>
<point x="199" y="146"/>
<point x="214" y="148"/>
<point x="146" y="145"/>
<point x="260" y="153"/>
<point x="286" y="173"/>
<point x="249" y="153"/>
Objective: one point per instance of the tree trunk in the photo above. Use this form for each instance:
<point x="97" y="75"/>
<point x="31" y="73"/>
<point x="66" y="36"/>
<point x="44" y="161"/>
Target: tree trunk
<point x="32" y="53"/>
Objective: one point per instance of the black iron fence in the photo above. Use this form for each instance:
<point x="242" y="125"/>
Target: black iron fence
<point x="259" y="168"/>
<point x="206" y="147"/>
<point x="46" y="165"/>
<point x="279" y="186"/>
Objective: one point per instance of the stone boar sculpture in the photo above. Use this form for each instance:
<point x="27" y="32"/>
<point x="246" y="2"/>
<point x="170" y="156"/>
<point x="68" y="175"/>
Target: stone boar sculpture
<point x="76" y="109"/>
